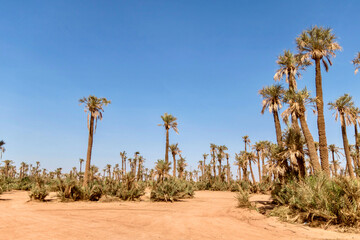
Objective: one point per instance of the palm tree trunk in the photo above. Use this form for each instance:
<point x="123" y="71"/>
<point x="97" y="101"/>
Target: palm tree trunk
<point x="333" y="159"/>
<point x="220" y="172"/>
<point x="321" y="120"/>
<point x="277" y="127"/>
<point x="258" y="163"/>
<point x="239" y="172"/>
<point x="214" y="165"/>
<point x="174" y="170"/>
<point x="310" y="144"/>
<point x="346" y="146"/>
<point x="252" y="173"/>
<point x="167" y="147"/>
<point x="228" y="171"/>
<point x="89" y="150"/>
<point x="357" y="150"/>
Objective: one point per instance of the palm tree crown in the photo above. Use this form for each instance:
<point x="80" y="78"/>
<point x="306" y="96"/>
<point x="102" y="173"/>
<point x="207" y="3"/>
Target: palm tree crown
<point x="169" y="121"/>
<point x="356" y="62"/>
<point x="343" y="105"/>
<point x="318" y="43"/>
<point x="272" y="97"/>
<point x="94" y="107"/>
<point x="289" y="66"/>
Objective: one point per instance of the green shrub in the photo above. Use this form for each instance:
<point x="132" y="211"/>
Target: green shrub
<point x="38" y="193"/>
<point x="243" y="198"/>
<point x="319" y="201"/>
<point x="25" y="183"/>
<point x="171" y="190"/>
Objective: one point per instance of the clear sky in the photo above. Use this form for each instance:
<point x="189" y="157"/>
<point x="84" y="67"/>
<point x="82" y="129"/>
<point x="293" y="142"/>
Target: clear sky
<point x="202" y="61"/>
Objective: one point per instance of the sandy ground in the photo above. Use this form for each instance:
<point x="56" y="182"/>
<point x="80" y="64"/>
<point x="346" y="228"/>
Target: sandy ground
<point x="210" y="215"/>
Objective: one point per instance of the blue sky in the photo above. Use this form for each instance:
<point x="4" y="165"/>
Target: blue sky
<point x="202" y="61"/>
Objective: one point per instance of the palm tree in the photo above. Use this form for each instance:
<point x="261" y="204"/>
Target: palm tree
<point x="239" y="163"/>
<point x="213" y="151"/>
<point x="318" y="44"/>
<point x="227" y="156"/>
<point x="297" y="105"/>
<point x="355" y="117"/>
<point x="135" y="160"/>
<point x="246" y="141"/>
<point x="174" y="151"/>
<point x="181" y="164"/>
<point x="201" y="167"/>
<point x="220" y="157"/>
<point x="162" y="168"/>
<point x="169" y="121"/>
<point x="251" y="157"/>
<point x="81" y="162"/>
<point x="272" y="98"/>
<point x="7" y="167"/>
<point x="356" y="62"/>
<point x="343" y="107"/>
<point x="259" y="148"/>
<point x="141" y="160"/>
<point x="123" y="162"/>
<point x="290" y="66"/>
<point x="2" y="149"/>
<point x="205" y="155"/>
<point x="94" y="108"/>
<point x="334" y="151"/>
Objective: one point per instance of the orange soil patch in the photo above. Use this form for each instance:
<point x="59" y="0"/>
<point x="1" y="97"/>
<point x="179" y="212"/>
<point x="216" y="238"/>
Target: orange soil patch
<point x="210" y="215"/>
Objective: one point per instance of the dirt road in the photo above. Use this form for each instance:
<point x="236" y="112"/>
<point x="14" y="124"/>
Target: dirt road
<point x="210" y="215"/>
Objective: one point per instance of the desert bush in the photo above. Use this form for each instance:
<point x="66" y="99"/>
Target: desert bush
<point x="319" y="200"/>
<point x="219" y="186"/>
<point x="38" y="193"/>
<point x="171" y="190"/>
<point x="92" y="192"/>
<point x="24" y="183"/>
<point x="243" y="198"/>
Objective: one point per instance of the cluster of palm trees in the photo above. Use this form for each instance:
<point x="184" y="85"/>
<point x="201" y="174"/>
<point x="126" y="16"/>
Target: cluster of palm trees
<point x="295" y="149"/>
<point x="316" y="45"/>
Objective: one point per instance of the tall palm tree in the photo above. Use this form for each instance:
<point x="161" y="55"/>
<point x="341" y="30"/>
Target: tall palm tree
<point x="181" y="164"/>
<point x="318" y="44"/>
<point x="297" y="105"/>
<point x="94" y="107"/>
<point x="205" y="155"/>
<point x="355" y="118"/>
<point x="141" y="160"/>
<point x="169" y="122"/>
<point x="239" y="163"/>
<point x="135" y="162"/>
<point x="201" y="167"/>
<point x="2" y="149"/>
<point x="246" y="141"/>
<point x="7" y="166"/>
<point x="259" y="148"/>
<point x="81" y="162"/>
<point x="123" y="162"/>
<point x="343" y="107"/>
<point x="220" y="156"/>
<point x="213" y="151"/>
<point x="272" y="98"/>
<point x="251" y="157"/>
<point x="174" y="151"/>
<point x="227" y="156"/>
<point x="335" y="151"/>
<point x="356" y="62"/>
<point x="289" y="67"/>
